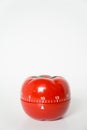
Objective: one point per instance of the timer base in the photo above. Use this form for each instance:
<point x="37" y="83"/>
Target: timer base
<point x="45" y="111"/>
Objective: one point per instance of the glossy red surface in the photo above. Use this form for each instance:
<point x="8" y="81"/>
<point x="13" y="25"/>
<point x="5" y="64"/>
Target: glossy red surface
<point x="45" y="97"/>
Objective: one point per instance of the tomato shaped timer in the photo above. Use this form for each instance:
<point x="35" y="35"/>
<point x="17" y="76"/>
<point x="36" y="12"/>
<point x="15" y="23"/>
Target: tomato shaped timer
<point x="45" y="97"/>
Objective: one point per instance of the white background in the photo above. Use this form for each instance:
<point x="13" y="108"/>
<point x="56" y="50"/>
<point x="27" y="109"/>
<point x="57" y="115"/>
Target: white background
<point x="42" y="37"/>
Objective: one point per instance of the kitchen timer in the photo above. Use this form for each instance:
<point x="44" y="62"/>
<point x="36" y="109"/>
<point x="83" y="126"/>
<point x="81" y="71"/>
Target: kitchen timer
<point x="45" y="97"/>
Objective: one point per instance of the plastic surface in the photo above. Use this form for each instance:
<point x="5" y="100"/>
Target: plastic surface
<point x="45" y="97"/>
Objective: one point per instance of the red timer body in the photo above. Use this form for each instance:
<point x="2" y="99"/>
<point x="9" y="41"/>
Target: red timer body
<point x="45" y="97"/>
